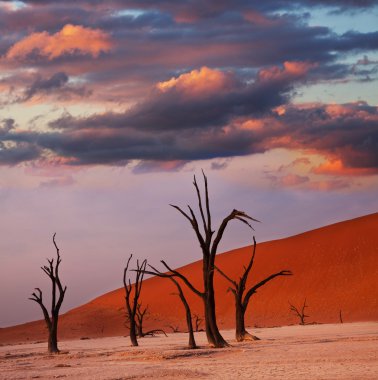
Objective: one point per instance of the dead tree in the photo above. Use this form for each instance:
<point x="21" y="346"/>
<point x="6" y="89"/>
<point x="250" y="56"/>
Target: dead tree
<point x="300" y="313"/>
<point x="132" y="304"/>
<point x="209" y="240"/>
<point x="52" y="270"/>
<point x="197" y="322"/>
<point x="175" y="329"/>
<point x="156" y="272"/>
<point x="140" y="313"/>
<point x="242" y="299"/>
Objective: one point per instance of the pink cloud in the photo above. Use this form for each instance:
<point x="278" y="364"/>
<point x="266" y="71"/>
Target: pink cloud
<point x="290" y="180"/>
<point x="202" y="82"/>
<point x="290" y="70"/>
<point x="71" y="39"/>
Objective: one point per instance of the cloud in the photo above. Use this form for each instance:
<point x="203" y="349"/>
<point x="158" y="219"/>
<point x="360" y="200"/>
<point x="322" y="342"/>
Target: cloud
<point x="181" y="120"/>
<point x="199" y="83"/>
<point x="58" y="182"/>
<point x="56" y="85"/>
<point x="290" y="180"/>
<point x="71" y="39"/>
<point x="347" y="135"/>
<point x="56" y="81"/>
<point x="186" y="81"/>
<point x="219" y="164"/>
<point x="18" y="153"/>
<point x="148" y="166"/>
<point x="183" y="103"/>
<point x="7" y="125"/>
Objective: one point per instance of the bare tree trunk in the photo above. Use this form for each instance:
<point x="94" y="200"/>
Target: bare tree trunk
<point x="133" y="333"/>
<point x="241" y="333"/>
<point x="192" y="342"/>
<point x="53" y="338"/>
<point x="213" y="335"/>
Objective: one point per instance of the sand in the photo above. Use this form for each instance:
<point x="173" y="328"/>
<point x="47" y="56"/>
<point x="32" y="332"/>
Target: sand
<point x="329" y="351"/>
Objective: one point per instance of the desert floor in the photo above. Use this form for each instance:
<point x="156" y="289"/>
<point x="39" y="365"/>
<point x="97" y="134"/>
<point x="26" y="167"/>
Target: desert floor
<point x="339" y="351"/>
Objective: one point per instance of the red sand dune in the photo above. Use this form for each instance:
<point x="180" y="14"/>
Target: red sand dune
<point x="335" y="268"/>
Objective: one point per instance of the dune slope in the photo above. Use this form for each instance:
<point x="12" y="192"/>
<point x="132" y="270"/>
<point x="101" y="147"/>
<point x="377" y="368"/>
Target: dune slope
<point x="335" y="269"/>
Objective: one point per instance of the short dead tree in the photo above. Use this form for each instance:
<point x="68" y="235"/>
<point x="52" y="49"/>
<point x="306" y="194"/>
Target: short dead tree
<point x="52" y="271"/>
<point x="241" y="301"/>
<point x="300" y="312"/>
<point x="192" y="343"/>
<point x="197" y="322"/>
<point x="132" y="302"/>
<point x="175" y="329"/>
<point x="140" y="314"/>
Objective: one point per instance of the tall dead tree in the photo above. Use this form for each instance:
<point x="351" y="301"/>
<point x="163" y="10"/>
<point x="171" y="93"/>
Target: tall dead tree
<point x="132" y="304"/>
<point x="243" y="296"/>
<point x="209" y="240"/>
<point x="300" y="313"/>
<point x="52" y="271"/>
<point x="192" y="343"/>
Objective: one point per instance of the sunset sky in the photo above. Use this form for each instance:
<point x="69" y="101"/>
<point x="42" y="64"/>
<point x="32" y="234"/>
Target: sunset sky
<point x="108" y="109"/>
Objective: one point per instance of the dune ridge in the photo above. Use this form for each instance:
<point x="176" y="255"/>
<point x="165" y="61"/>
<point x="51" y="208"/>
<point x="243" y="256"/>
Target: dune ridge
<point x="335" y="269"/>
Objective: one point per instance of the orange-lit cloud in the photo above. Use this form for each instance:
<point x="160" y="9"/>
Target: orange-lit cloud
<point x="200" y="82"/>
<point x="72" y="39"/>
<point x="290" y="69"/>
<point x="337" y="167"/>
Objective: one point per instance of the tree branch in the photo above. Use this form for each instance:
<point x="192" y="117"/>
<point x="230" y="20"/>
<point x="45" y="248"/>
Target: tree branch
<point x="263" y="282"/>
<point x="225" y="276"/>
<point x="205" y="227"/>
<point x="235" y="214"/>
<point x="207" y="205"/>
<point x="187" y="282"/>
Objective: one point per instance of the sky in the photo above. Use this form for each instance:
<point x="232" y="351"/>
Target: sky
<point x="108" y="109"/>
